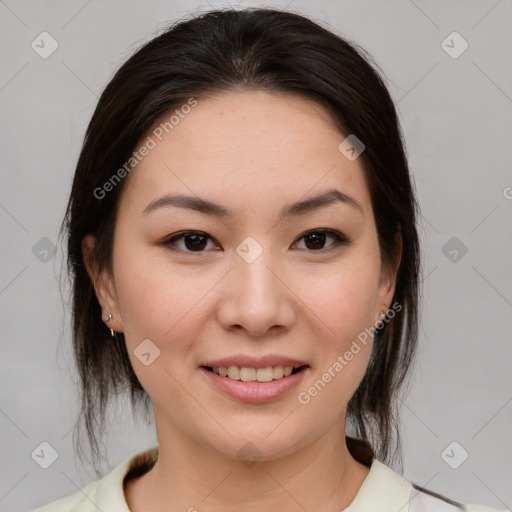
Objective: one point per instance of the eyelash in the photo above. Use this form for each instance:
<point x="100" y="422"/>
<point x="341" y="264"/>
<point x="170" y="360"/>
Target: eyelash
<point x="340" y="240"/>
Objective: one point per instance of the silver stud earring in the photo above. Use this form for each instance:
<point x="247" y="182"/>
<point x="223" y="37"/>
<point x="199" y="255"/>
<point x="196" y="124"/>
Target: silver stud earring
<point x="107" y="319"/>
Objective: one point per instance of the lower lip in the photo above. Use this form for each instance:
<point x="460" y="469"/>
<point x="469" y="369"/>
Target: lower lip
<point x="255" y="392"/>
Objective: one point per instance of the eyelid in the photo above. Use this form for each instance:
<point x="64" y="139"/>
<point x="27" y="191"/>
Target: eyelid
<point x="339" y="238"/>
<point x="170" y="240"/>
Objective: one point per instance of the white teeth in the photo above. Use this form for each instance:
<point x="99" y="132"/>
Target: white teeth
<point x="265" y="374"/>
<point x="278" y="372"/>
<point x="234" y="372"/>
<point x="246" y="374"/>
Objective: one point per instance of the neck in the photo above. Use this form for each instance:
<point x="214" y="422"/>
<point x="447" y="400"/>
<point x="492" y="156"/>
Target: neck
<point x="322" y="476"/>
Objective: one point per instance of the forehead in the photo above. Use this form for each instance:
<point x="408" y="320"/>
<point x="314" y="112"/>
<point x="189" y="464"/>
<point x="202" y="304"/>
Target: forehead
<point x="245" y="149"/>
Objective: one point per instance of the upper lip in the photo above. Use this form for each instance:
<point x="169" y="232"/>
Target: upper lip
<point x="246" y="361"/>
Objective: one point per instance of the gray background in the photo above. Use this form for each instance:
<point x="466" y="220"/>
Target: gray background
<point x="456" y="115"/>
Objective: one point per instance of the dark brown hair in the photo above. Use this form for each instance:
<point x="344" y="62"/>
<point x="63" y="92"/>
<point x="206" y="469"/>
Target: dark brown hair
<point x="222" y="50"/>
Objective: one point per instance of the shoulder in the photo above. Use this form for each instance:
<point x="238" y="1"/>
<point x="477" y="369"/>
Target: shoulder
<point x="106" y="493"/>
<point x="424" y="501"/>
<point x="384" y="490"/>
<point x="82" y="500"/>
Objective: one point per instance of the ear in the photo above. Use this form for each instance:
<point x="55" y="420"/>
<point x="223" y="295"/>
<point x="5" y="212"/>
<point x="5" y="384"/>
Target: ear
<point x="103" y="286"/>
<point x="387" y="280"/>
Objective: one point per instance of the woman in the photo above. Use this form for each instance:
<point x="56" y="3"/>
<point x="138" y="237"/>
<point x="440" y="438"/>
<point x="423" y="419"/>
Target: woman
<point x="243" y="248"/>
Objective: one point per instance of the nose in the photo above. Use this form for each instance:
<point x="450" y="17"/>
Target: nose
<point x="256" y="298"/>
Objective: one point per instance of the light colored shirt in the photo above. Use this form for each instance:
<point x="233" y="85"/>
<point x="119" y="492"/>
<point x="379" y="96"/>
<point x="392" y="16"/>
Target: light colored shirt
<point x="383" y="490"/>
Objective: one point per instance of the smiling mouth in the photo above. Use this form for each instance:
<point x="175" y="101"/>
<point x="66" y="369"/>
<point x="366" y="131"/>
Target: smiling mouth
<point x="245" y="374"/>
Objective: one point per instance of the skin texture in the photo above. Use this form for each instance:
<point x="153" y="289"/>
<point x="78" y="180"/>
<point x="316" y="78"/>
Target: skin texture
<point x="252" y="152"/>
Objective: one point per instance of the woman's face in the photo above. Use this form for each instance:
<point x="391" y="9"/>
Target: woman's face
<point x="259" y="284"/>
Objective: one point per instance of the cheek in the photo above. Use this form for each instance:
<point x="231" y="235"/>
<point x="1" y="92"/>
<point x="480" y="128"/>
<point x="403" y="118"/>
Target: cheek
<point x="159" y="302"/>
<point x="343" y="345"/>
<point x="341" y="304"/>
<point x="156" y="299"/>
<point x="328" y="393"/>
<point x="343" y="300"/>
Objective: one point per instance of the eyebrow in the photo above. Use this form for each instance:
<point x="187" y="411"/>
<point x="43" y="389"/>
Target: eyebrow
<point x="327" y="198"/>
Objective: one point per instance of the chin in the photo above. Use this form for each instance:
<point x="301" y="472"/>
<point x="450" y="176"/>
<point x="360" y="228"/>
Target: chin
<point x="259" y="442"/>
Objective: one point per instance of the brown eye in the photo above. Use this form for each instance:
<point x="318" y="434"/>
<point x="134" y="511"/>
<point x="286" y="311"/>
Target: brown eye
<point x="193" y="241"/>
<point x="315" y="240"/>
<point x="197" y="241"/>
